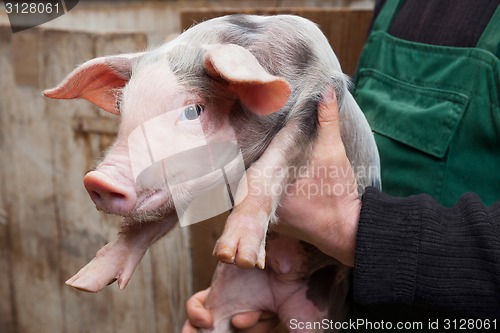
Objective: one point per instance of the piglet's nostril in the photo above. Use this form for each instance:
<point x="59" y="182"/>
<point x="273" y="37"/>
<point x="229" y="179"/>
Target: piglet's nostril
<point x="102" y="195"/>
<point x="95" y="196"/>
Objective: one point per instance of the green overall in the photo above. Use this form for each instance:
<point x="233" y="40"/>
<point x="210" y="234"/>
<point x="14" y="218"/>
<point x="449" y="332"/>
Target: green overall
<point x="435" y="112"/>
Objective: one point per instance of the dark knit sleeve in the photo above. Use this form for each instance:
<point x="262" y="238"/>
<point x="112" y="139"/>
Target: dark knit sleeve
<point x="414" y="251"/>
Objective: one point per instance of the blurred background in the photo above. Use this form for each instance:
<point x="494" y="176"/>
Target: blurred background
<point x="49" y="227"/>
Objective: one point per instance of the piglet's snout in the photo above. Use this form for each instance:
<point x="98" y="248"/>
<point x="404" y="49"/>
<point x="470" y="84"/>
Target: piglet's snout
<point x="109" y="195"/>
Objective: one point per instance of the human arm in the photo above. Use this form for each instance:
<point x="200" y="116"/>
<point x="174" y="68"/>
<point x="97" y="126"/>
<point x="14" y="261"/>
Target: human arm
<point x="414" y="251"/>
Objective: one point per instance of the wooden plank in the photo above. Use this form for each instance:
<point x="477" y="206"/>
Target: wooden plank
<point x="7" y="305"/>
<point x="33" y="230"/>
<point x="26" y="50"/>
<point x="171" y="279"/>
<point x="203" y="237"/>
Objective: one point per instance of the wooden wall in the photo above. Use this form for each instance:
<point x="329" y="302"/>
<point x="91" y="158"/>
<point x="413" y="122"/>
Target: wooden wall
<point x="49" y="228"/>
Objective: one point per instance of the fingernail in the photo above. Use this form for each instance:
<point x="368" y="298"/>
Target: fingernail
<point x="329" y="94"/>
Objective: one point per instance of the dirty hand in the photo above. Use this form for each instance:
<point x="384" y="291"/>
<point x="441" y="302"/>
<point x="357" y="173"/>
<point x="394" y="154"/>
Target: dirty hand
<point x="322" y="206"/>
<point x="249" y="322"/>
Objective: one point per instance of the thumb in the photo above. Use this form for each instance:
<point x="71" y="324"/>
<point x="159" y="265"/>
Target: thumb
<point x="328" y="106"/>
<point x="246" y="320"/>
<point x="255" y="322"/>
<point x="328" y="117"/>
<point x="198" y="315"/>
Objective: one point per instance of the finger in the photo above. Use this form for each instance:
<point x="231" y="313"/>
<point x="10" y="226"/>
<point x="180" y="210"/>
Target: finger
<point x="246" y="320"/>
<point x="262" y="326"/>
<point x="328" y="106"/>
<point x="198" y="315"/>
<point x="329" y="128"/>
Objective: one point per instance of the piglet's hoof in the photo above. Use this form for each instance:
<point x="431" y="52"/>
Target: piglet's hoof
<point x="243" y="241"/>
<point x="94" y="277"/>
<point x="114" y="262"/>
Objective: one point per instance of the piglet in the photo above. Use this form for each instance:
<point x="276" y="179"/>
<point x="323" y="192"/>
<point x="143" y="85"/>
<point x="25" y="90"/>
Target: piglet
<point x="231" y="101"/>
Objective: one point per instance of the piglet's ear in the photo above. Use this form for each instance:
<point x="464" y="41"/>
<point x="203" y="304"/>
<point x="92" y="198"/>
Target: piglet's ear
<point x="97" y="81"/>
<point x="258" y="90"/>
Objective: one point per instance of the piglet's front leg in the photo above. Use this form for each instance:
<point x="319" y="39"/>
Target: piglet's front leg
<point x="243" y="240"/>
<point x="117" y="260"/>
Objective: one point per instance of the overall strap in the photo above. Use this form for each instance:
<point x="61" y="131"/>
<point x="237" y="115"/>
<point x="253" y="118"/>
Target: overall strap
<point x="490" y="39"/>
<point x="384" y="18"/>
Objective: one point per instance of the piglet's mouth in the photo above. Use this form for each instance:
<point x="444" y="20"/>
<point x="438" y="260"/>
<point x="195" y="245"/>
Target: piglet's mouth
<point x="152" y="205"/>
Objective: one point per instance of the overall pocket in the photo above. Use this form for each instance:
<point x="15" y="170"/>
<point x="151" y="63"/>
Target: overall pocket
<point x="413" y="127"/>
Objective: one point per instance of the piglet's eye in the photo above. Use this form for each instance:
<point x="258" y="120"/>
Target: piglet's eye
<point x="192" y="112"/>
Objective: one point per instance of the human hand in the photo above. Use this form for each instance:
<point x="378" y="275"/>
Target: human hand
<point x="249" y="322"/>
<point x="322" y="206"/>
